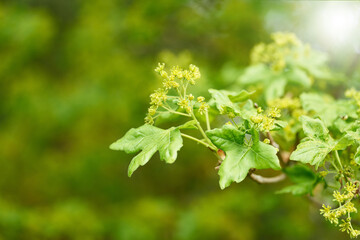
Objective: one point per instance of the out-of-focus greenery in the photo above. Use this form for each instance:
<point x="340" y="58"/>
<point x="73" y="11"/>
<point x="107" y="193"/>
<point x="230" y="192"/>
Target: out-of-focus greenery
<point x="76" y="75"/>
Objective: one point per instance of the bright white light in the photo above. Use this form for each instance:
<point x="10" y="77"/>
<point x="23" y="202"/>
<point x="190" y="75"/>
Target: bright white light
<point x="337" y="23"/>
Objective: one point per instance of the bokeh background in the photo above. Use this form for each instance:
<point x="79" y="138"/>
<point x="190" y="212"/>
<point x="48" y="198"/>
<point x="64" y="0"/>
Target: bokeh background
<point x="76" y="75"/>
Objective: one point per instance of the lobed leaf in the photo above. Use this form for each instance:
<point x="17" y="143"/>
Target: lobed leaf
<point x="149" y="139"/>
<point x="316" y="146"/>
<point x="243" y="152"/>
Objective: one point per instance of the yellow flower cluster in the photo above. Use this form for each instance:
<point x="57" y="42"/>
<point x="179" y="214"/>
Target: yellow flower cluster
<point x="275" y="54"/>
<point x="177" y="73"/>
<point x="178" y="79"/>
<point x="266" y="122"/>
<point x="285" y="103"/>
<point x="352" y="93"/>
<point x="346" y="207"/>
<point x="291" y="104"/>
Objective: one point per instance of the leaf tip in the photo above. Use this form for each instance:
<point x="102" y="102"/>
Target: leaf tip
<point x="114" y="146"/>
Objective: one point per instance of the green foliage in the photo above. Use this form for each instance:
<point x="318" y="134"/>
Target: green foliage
<point x="320" y="128"/>
<point x="304" y="180"/>
<point x="149" y="139"/>
<point x="316" y="146"/>
<point x="243" y="152"/>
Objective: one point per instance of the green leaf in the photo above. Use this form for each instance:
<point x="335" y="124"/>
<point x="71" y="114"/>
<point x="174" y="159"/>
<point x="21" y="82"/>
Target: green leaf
<point x="304" y="178"/>
<point x="316" y="146"/>
<point x="351" y="137"/>
<point x="243" y="152"/>
<point x="348" y="139"/>
<point x="299" y="173"/>
<point x="315" y="65"/>
<point x="297" y="189"/>
<point x="238" y="103"/>
<point x="357" y="155"/>
<point x="314" y="128"/>
<point x="278" y="125"/>
<point x="298" y="76"/>
<point x="149" y="139"/>
<point x="255" y="73"/>
<point x="275" y="89"/>
<point x="242" y="96"/>
<point x="188" y="125"/>
<point x="222" y="100"/>
<point x="326" y="108"/>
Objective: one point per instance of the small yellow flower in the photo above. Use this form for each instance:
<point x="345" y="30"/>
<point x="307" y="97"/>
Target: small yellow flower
<point x="274" y="113"/>
<point x="200" y="99"/>
<point x="160" y="67"/>
<point x="231" y="115"/>
<point x="203" y="108"/>
<point x="256" y="119"/>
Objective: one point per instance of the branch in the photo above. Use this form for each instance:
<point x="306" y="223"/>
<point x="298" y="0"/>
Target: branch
<point x="284" y="157"/>
<point x="261" y="179"/>
<point x="272" y="141"/>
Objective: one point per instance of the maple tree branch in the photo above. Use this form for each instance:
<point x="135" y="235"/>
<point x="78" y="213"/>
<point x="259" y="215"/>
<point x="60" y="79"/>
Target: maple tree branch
<point x="261" y="179"/>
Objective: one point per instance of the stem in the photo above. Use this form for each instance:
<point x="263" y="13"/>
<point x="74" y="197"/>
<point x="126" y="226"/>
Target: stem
<point x="179" y="113"/>
<point x="195" y="139"/>
<point x="338" y="158"/>
<point x="177" y="89"/>
<point x="207" y="120"/>
<point x="272" y="141"/>
<point x="211" y="145"/>
<point x="232" y="120"/>
<point x="261" y="179"/>
<point x="332" y="163"/>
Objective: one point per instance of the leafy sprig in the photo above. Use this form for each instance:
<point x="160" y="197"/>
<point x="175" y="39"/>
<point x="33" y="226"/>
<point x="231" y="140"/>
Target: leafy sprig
<point x="275" y="122"/>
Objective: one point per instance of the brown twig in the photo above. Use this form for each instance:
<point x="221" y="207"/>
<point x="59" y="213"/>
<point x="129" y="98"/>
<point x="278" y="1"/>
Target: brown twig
<point x="261" y="179"/>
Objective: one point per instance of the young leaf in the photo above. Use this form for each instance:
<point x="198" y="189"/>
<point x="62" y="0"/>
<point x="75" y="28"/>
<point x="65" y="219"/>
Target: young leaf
<point x="325" y="107"/>
<point x="304" y="180"/>
<point x="275" y="89"/>
<point x="298" y="76"/>
<point x="239" y="103"/>
<point x="188" y="125"/>
<point x="243" y="151"/>
<point x="255" y="73"/>
<point x="222" y="100"/>
<point x="242" y="96"/>
<point x="357" y="155"/>
<point x="149" y="139"/>
<point x="314" y="128"/>
<point x="316" y="146"/>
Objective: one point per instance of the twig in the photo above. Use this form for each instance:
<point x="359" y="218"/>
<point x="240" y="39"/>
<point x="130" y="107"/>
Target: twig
<point x="276" y="145"/>
<point x="261" y="179"/>
<point x="272" y="141"/>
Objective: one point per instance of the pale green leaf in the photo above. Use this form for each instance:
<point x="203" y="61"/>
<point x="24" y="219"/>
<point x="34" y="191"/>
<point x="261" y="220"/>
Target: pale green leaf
<point x="316" y="146"/>
<point x="222" y="100"/>
<point x="255" y="73"/>
<point x="149" y="139"/>
<point x="314" y="128"/>
<point x="230" y="101"/>
<point x="275" y="89"/>
<point x="188" y="125"/>
<point x="304" y="180"/>
<point x="243" y="152"/>
<point x="326" y="108"/>
<point x="357" y="155"/>
<point x="298" y="76"/>
<point x="242" y="96"/>
<point x="312" y="151"/>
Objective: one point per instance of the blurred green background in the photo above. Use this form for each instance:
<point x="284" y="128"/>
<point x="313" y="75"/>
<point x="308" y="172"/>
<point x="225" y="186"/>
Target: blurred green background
<point x="76" y="75"/>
